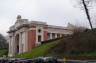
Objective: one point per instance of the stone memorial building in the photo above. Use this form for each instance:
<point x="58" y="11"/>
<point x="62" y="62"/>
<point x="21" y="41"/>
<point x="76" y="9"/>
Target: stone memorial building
<point x="25" y="35"/>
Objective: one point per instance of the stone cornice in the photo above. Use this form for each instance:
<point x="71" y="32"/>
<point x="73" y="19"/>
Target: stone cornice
<point x="17" y="28"/>
<point x="21" y="26"/>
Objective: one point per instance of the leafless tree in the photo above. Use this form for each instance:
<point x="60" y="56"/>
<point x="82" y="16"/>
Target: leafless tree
<point x="87" y="12"/>
<point x="85" y="5"/>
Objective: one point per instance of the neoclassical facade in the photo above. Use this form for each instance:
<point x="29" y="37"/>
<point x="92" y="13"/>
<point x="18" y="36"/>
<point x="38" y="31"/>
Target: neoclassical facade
<point x="25" y="35"/>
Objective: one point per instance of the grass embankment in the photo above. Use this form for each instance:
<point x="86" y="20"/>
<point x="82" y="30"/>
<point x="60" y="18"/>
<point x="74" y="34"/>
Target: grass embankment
<point x="39" y="51"/>
<point x="3" y="52"/>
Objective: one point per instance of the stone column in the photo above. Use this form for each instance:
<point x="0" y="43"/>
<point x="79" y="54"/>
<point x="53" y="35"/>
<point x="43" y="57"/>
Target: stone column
<point x="42" y="34"/>
<point x="13" y="48"/>
<point x="20" y="42"/>
<point x="24" y="43"/>
<point x="50" y="35"/>
<point x="60" y="35"/>
<point x="10" y="49"/>
<point x="55" y="35"/>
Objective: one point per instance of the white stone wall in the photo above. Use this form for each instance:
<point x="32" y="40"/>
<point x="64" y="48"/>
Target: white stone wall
<point x="41" y="33"/>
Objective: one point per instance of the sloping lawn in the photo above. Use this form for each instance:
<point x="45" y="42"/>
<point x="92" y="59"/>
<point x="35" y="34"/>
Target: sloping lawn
<point x="39" y="51"/>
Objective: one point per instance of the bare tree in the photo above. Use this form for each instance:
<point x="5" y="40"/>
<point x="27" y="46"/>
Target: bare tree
<point x="85" y="5"/>
<point x="87" y="12"/>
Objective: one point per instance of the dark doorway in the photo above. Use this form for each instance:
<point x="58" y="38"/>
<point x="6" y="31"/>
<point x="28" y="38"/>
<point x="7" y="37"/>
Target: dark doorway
<point x="17" y="43"/>
<point x="48" y="34"/>
<point x="39" y="38"/>
<point x="53" y="35"/>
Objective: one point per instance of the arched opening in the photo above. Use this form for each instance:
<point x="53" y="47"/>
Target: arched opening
<point x="39" y="38"/>
<point x="17" y="43"/>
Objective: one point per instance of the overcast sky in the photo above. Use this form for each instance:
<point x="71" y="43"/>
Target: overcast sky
<point x="54" y="12"/>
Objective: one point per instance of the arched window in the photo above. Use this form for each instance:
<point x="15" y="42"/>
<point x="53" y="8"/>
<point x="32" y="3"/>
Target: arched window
<point x="39" y="30"/>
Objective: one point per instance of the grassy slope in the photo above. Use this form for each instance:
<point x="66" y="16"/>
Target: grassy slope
<point x="3" y="52"/>
<point x="41" y="50"/>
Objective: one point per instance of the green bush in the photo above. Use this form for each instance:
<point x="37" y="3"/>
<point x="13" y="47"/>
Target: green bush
<point x="3" y="52"/>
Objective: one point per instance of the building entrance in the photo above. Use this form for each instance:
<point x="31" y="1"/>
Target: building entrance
<point x="17" y="43"/>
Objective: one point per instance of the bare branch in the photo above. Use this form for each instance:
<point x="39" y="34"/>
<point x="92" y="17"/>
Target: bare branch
<point x="85" y="5"/>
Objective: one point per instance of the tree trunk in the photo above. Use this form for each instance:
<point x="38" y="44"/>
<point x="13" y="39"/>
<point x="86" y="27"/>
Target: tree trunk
<point x="87" y="13"/>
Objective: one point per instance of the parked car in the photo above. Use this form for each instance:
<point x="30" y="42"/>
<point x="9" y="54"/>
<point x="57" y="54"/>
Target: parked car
<point x="46" y="60"/>
<point x="3" y="60"/>
<point x="29" y="60"/>
<point x="38" y="60"/>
